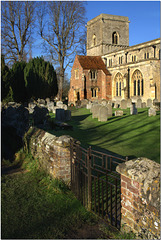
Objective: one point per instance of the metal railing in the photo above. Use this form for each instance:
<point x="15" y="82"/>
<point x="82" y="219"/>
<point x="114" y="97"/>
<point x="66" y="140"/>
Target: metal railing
<point x="95" y="182"/>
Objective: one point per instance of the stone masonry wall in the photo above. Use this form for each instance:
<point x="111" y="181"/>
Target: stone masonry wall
<point x="52" y="152"/>
<point x="140" y="197"/>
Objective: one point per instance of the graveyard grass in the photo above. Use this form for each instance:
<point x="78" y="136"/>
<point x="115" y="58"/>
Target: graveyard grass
<point x="128" y="135"/>
<point x="35" y="206"/>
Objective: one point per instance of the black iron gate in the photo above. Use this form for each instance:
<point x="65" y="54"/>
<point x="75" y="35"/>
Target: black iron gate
<point x="95" y="182"/>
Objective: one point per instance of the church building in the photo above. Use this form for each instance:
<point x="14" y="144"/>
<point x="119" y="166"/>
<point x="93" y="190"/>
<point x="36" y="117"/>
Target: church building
<point x="112" y="69"/>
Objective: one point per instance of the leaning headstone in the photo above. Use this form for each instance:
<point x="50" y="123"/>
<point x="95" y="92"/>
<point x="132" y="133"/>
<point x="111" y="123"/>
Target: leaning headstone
<point x="119" y="113"/>
<point x="95" y="110"/>
<point x="149" y="103"/>
<point x="103" y="114"/>
<point x="133" y="109"/>
<point x="151" y="112"/>
<point x="123" y="104"/>
<point x="67" y="115"/>
<point x="138" y="103"/>
<point x="129" y="102"/>
<point x="143" y="105"/>
<point x="60" y="114"/>
<point x="109" y="106"/>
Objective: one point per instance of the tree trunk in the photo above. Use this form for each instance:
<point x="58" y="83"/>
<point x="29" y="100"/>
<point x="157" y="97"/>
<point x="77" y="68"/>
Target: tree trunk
<point x="61" y="83"/>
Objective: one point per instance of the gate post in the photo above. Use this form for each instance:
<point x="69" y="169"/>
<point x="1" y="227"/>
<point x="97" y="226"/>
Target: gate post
<point x="89" y="179"/>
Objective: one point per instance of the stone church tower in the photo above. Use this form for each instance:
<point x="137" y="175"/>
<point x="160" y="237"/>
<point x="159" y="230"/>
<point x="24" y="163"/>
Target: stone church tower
<point x="107" y="33"/>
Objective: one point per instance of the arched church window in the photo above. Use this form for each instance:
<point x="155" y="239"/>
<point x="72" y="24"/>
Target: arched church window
<point x="120" y="88"/>
<point x="142" y="87"/>
<point x="115" y="38"/>
<point x="94" y="40"/>
<point x="138" y="83"/>
<point x="117" y="89"/>
<point x="134" y="87"/>
<point x="138" y="87"/>
<point x="118" y="81"/>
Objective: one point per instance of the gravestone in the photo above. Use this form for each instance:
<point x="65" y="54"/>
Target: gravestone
<point x="151" y="112"/>
<point x="109" y="106"/>
<point x="84" y="102"/>
<point x="67" y="115"/>
<point x="92" y="106"/>
<point x="47" y="100"/>
<point x="143" y="105"/>
<point x="123" y="104"/>
<point x="64" y="106"/>
<point x="133" y="109"/>
<point x="155" y="100"/>
<point x="59" y="103"/>
<point x="88" y="106"/>
<point x="116" y="105"/>
<point x="39" y="115"/>
<point x="41" y="101"/>
<point x="95" y="110"/>
<point x="31" y="106"/>
<point x="138" y="103"/>
<point x="156" y="105"/>
<point x="60" y="114"/>
<point x="129" y="102"/>
<point x="103" y="114"/>
<point x="50" y="106"/>
<point x="149" y="103"/>
<point x="110" y="102"/>
<point x="119" y="113"/>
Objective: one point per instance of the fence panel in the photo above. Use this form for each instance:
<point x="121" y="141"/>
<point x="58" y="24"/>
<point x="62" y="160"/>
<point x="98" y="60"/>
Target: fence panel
<point x="95" y="182"/>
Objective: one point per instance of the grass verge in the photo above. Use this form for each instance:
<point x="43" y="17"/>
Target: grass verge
<point x="34" y="206"/>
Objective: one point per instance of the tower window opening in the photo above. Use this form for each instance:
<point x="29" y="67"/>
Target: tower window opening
<point x="115" y="38"/>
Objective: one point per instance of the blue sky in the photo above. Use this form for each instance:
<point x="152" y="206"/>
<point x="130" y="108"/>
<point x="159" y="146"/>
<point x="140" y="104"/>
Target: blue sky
<point x="144" y="17"/>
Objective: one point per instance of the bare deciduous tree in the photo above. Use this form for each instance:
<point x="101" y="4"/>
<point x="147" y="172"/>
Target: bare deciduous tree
<point x="16" y="27"/>
<point x="61" y="27"/>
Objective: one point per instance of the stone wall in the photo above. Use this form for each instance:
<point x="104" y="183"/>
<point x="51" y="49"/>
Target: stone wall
<point x="53" y="152"/>
<point x="140" y="194"/>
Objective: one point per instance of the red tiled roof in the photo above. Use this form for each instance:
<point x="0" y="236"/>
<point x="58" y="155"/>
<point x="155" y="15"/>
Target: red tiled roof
<point x="93" y="62"/>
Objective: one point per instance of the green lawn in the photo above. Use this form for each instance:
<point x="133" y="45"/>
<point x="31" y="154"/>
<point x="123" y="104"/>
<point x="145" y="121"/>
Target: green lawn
<point x="128" y="135"/>
<point x="34" y="206"/>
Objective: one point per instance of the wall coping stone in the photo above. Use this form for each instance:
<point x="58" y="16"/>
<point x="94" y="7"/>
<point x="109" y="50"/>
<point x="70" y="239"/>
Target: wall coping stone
<point x="147" y="173"/>
<point x="140" y="169"/>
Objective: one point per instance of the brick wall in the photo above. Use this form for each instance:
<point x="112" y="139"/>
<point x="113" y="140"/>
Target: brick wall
<point x="140" y="197"/>
<point x="53" y="152"/>
<point x="103" y="83"/>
